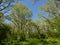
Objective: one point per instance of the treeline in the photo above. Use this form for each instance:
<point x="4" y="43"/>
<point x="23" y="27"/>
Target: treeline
<point x="22" y="28"/>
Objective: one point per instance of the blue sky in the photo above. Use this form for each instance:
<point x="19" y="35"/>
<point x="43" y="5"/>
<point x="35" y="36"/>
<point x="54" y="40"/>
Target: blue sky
<point x="35" y="7"/>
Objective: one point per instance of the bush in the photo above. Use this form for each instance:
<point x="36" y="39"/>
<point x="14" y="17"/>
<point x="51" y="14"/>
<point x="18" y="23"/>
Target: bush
<point x="50" y="41"/>
<point x="4" y="28"/>
<point x="12" y="42"/>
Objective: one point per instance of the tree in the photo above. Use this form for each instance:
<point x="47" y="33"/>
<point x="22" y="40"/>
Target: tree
<point x="52" y="20"/>
<point x="20" y="16"/>
<point x="32" y="29"/>
<point x="4" y="2"/>
<point x="1" y="16"/>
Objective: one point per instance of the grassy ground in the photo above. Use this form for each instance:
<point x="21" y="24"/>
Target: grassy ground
<point x="49" y="41"/>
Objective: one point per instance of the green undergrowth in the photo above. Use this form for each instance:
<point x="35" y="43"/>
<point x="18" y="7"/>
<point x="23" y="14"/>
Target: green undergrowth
<point x="33" y="41"/>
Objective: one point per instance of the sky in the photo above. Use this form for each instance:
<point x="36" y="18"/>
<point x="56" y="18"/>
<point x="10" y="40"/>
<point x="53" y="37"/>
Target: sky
<point x="35" y="7"/>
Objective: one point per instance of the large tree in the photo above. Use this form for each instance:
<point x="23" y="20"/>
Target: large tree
<point x="20" y="15"/>
<point x="51" y="22"/>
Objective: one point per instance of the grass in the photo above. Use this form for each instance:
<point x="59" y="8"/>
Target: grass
<point x="49" y="41"/>
<point x="33" y="41"/>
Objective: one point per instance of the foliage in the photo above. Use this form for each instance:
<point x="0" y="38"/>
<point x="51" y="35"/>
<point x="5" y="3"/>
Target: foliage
<point x="50" y="24"/>
<point x="1" y="16"/>
<point x="24" y="31"/>
<point x="19" y="16"/>
<point x="4" y="29"/>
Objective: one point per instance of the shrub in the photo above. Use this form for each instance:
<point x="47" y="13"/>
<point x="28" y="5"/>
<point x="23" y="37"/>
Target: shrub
<point x="4" y="28"/>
